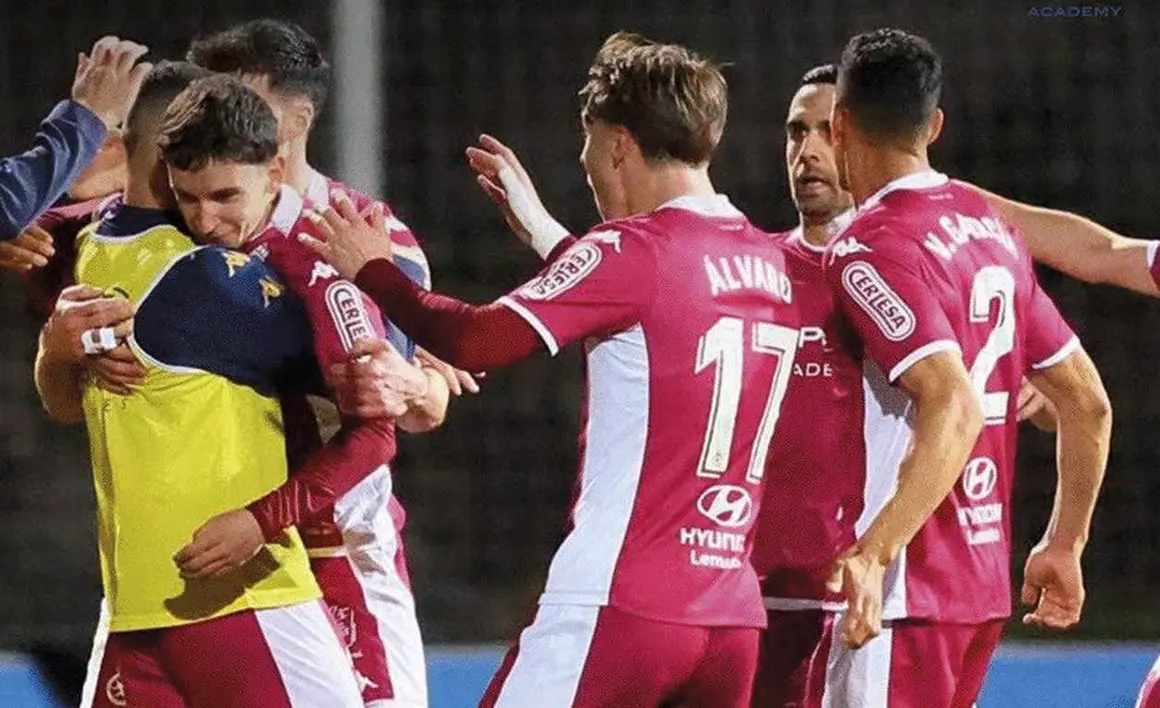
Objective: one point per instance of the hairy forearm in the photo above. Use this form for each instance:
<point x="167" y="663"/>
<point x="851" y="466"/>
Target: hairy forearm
<point x="430" y="410"/>
<point x="1082" y="456"/>
<point x="945" y="431"/>
<point x="60" y="387"/>
<point x="1079" y="246"/>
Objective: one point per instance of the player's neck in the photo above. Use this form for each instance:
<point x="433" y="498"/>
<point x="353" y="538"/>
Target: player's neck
<point x="298" y="170"/>
<point x="660" y="185"/>
<point x="872" y="169"/>
<point x="149" y="190"/>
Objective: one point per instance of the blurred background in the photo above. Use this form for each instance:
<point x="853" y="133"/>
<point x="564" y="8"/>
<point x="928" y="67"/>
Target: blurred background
<point x="1059" y="111"/>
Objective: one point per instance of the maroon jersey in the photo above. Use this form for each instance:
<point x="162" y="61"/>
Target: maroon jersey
<point x="927" y="267"/>
<point x="64" y="222"/>
<point x="339" y="315"/>
<point x="689" y="335"/>
<point x="816" y="470"/>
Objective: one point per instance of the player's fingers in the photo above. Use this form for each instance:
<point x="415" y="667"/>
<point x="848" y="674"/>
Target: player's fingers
<point x="128" y="54"/>
<point x="319" y="247"/>
<point x="483" y="162"/>
<point x="78" y="293"/>
<point x="118" y="373"/>
<point x="123" y="329"/>
<point x="1029" y="594"/>
<point x="214" y="568"/>
<point x="15" y="257"/>
<point x="378" y="217"/>
<point x="82" y="65"/>
<point x="105" y="312"/>
<point x="36" y="239"/>
<point x="369" y="347"/>
<point x="467" y="381"/>
<point x="103" y="50"/>
<point x="344" y="205"/>
<point x="493" y="191"/>
<point x="200" y="560"/>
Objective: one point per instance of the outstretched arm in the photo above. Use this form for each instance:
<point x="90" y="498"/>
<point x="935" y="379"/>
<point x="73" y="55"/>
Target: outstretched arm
<point x="1079" y="246"/>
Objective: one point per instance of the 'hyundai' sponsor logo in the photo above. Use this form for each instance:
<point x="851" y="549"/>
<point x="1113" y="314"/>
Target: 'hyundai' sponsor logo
<point x="979" y="478"/>
<point x="726" y="505"/>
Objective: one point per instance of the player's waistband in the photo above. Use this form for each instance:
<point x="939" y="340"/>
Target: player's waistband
<point x="801" y="604"/>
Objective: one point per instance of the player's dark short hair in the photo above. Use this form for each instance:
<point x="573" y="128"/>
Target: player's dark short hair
<point x="218" y="119"/>
<point x="671" y="100"/>
<point x="161" y="85"/>
<point x="889" y="80"/>
<point x="282" y="51"/>
<point x="821" y="74"/>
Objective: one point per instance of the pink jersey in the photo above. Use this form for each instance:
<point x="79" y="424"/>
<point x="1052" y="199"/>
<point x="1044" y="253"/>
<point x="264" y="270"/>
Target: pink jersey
<point x="339" y="315"/>
<point x="816" y="470"/>
<point x="689" y="333"/>
<point x="927" y="267"/>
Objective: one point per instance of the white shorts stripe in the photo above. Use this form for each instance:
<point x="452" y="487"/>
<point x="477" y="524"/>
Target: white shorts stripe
<point x="551" y="658"/>
<point x="858" y="678"/>
<point x="372" y="544"/>
<point x="93" y="670"/>
<point x="315" y="668"/>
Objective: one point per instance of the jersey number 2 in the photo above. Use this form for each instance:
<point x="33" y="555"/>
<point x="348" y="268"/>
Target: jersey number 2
<point x="990" y="284"/>
<point x="724" y="346"/>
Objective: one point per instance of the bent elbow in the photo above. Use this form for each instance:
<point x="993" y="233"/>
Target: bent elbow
<point x="967" y="419"/>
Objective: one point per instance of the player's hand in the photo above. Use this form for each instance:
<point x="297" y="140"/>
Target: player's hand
<point x="1053" y="584"/>
<point x="1034" y="406"/>
<point x="457" y="380"/>
<point x="222" y="545"/>
<point x="107" y="80"/>
<point x="504" y="180"/>
<point x="858" y="576"/>
<point x="117" y="370"/>
<point x="349" y="240"/>
<point x="85" y="323"/>
<point x="31" y="249"/>
<point x="377" y="382"/>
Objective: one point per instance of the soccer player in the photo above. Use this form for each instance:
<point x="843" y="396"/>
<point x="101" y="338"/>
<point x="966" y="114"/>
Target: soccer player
<point x="285" y="65"/>
<point x="220" y="147"/>
<point x="218" y="336"/>
<point x="929" y="278"/>
<point x="70" y="136"/>
<point x="690" y="333"/>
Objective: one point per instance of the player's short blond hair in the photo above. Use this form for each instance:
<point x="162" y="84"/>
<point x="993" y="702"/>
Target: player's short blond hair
<point x="673" y="101"/>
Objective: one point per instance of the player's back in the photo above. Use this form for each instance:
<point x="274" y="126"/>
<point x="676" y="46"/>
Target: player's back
<point x="187" y="444"/>
<point x="682" y="399"/>
<point x="988" y="305"/>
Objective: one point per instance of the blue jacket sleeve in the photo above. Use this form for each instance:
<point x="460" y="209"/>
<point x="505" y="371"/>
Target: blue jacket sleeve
<point x="29" y="183"/>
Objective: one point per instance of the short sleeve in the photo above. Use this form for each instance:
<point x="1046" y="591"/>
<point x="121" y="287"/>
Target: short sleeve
<point x="1048" y="337"/>
<point x="602" y="284"/>
<point x="894" y="309"/>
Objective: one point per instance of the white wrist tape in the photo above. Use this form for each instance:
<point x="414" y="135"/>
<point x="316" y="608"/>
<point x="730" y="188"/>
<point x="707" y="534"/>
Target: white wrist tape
<point x="545" y="231"/>
<point x="99" y="341"/>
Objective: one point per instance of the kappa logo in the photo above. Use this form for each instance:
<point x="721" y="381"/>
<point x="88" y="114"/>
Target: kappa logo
<point x="726" y="505"/>
<point x="865" y="285"/>
<point x="848" y="246"/>
<point x="610" y="237"/>
<point x="321" y="271"/>
<point x="345" y="304"/>
<point x="571" y="268"/>
<point x="115" y="689"/>
<point x="979" y="478"/>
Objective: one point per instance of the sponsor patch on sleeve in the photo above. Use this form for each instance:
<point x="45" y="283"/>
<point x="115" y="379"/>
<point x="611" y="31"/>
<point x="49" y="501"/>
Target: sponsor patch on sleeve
<point x="865" y="285"/>
<point x="571" y="268"/>
<point x="344" y="301"/>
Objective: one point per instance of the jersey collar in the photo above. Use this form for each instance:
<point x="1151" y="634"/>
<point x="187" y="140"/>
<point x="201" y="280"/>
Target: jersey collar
<point x="715" y="205"/>
<point x="926" y="179"/>
<point x="287" y="211"/>
<point x="317" y="190"/>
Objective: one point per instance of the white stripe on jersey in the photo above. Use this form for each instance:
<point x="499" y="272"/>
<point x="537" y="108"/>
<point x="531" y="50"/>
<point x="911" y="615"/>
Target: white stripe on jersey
<point x="886" y="435"/>
<point x="613" y="458"/>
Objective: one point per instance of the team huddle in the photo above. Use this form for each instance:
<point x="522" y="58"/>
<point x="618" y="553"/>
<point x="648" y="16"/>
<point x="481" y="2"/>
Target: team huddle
<point x="797" y="452"/>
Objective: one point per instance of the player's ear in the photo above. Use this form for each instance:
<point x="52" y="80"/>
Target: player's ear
<point x="934" y="128"/>
<point x="299" y="119"/>
<point x="839" y="124"/>
<point x="623" y="145"/>
<point x="276" y="170"/>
